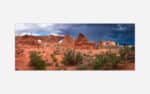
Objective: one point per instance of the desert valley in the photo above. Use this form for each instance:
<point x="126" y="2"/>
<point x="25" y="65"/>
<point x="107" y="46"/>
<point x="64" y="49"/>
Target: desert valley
<point x="65" y="53"/>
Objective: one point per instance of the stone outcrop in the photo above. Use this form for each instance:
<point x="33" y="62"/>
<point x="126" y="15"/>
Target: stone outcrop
<point x="82" y="43"/>
<point x="33" y="40"/>
<point x="103" y="44"/>
<point x="54" y="39"/>
<point x="67" y="42"/>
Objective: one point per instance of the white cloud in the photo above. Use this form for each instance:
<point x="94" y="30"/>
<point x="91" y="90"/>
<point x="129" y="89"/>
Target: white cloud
<point x="24" y="26"/>
<point x="28" y="28"/>
<point x="44" y="25"/>
<point x="21" y="27"/>
<point x="56" y="34"/>
<point x="27" y="33"/>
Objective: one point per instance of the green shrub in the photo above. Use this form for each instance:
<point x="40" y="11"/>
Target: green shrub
<point x="106" y="61"/>
<point x="124" y="51"/>
<point x="98" y="62"/>
<point x="78" y="57"/>
<point x="113" y="59"/>
<point x="72" y="58"/>
<point x="36" y="61"/>
<point x="53" y="58"/>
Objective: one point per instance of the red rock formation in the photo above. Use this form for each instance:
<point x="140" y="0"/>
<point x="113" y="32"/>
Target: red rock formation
<point x="82" y="43"/>
<point x="26" y="40"/>
<point x="106" y="44"/>
<point x="82" y="38"/>
<point x="55" y="39"/>
<point x="33" y="40"/>
<point x="68" y="42"/>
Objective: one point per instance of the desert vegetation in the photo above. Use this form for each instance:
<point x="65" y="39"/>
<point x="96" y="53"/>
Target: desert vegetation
<point x="72" y="58"/>
<point x="107" y="61"/>
<point x="37" y="62"/>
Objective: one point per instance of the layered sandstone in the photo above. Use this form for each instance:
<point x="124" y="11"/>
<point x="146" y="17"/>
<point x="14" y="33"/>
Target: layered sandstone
<point x="82" y="43"/>
<point x="68" y="42"/>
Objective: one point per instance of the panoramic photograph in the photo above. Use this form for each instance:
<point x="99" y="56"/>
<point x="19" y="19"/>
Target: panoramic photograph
<point x="75" y="46"/>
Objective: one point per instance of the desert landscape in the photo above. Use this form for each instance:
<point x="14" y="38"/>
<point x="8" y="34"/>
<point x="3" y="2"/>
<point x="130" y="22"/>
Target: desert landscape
<point x="55" y="52"/>
<point x="80" y="53"/>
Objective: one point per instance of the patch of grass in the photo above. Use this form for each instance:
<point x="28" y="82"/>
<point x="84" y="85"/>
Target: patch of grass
<point x="107" y="61"/>
<point x="113" y="59"/>
<point x="98" y="62"/>
<point x="36" y="61"/>
<point x="124" y="51"/>
<point x="72" y="58"/>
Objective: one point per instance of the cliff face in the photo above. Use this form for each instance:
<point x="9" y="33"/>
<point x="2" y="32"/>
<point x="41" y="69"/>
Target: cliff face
<point x="68" y="42"/>
<point x="82" y="43"/>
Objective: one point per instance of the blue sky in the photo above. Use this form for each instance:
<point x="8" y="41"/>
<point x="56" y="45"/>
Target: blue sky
<point x="121" y="33"/>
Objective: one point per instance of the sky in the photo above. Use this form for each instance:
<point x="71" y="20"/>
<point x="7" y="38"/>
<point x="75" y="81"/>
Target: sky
<point x="120" y="33"/>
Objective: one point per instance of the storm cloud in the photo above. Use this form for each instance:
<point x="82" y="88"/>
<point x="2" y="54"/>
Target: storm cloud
<point x="121" y="33"/>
